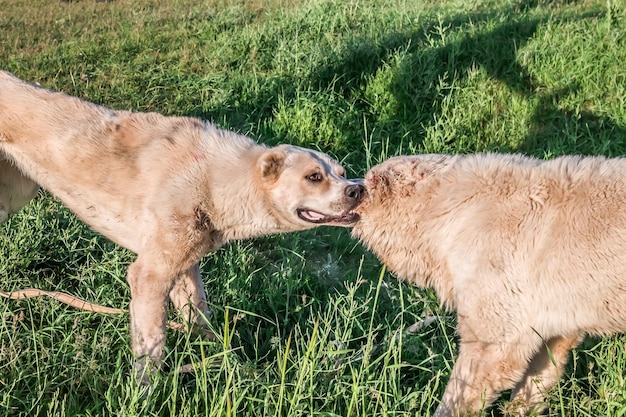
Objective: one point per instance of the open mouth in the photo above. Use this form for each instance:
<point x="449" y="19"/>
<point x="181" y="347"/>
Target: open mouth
<point x="313" y="216"/>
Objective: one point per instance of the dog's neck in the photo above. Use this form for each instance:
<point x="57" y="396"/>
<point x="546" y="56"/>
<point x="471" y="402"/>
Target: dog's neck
<point x="240" y="209"/>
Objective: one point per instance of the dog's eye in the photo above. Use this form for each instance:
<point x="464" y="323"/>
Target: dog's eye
<point x="315" y="177"/>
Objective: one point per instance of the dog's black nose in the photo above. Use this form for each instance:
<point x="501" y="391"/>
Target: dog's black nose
<point x="355" y="191"/>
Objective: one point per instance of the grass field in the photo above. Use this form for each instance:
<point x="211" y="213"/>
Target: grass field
<point x="310" y="324"/>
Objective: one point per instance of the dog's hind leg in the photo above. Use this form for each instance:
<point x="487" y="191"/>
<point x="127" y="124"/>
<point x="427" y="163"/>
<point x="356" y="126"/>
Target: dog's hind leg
<point x="543" y="373"/>
<point x="482" y="370"/>
<point x="16" y="190"/>
<point x="189" y="299"/>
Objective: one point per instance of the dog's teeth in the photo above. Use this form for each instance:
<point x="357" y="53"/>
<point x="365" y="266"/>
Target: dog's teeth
<point x="314" y="215"/>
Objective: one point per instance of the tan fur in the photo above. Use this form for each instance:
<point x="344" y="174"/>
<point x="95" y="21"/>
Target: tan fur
<point x="169" y="189"/>
<point x="15" y="189"/>
<point x="529" y="253"/>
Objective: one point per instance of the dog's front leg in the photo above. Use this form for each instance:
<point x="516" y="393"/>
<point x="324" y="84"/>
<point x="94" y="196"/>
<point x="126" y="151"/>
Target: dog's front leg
<point x="189" y="299"/>
<point x="149" y="289"/>
<point x="482" y="370"/>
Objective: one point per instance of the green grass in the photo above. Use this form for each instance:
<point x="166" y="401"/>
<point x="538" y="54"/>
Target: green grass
<point x="309" y="323"/>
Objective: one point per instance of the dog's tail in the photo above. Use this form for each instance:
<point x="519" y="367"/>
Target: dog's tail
<point x="62" y="297"/>
<point x="97" y="308"/>
<point x="80" y="304"/>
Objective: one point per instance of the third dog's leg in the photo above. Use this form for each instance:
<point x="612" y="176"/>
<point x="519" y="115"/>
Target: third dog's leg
<point x="148" y="310"/>
<point x="481" y="372"/>
<point x="542" y="374"/>
<point x="16" y="190"/>
<point x="189" y="298"/>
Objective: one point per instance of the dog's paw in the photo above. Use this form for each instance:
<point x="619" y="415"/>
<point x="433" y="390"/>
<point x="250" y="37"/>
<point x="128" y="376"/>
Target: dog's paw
<point x="145" y="372"/>
<point x="521" y="408"/>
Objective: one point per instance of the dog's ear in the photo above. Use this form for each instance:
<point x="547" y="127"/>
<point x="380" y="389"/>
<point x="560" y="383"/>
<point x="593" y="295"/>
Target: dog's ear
<point x="379" y="182"/>
<point x="272" y="163"/>
<point x="423" y="170"/>
<point x="428" y="165"/>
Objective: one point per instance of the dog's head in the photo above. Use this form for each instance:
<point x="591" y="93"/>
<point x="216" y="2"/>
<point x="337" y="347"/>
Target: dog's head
<point x="396" y="194"/>
<point x="389" y="184"/>
<point x="307" y="188"/>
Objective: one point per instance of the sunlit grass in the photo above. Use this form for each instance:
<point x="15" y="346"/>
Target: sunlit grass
<point x="308" y="323"/>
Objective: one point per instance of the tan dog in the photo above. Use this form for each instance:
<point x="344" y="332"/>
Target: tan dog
<point x="529" y="253"/>
<point x="169" y="189"/>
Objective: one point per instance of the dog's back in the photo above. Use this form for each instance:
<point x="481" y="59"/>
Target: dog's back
<point x="556" y="231"/>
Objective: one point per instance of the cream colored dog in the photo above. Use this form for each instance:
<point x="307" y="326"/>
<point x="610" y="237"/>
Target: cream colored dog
<point x="169" y="189"/>
<point x="529" y="253"/>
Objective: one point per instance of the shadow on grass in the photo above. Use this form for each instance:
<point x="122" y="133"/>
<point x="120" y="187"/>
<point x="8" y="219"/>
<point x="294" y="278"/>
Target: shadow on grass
<point x="423" y="80"/>
<point x="435" y="57"/>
